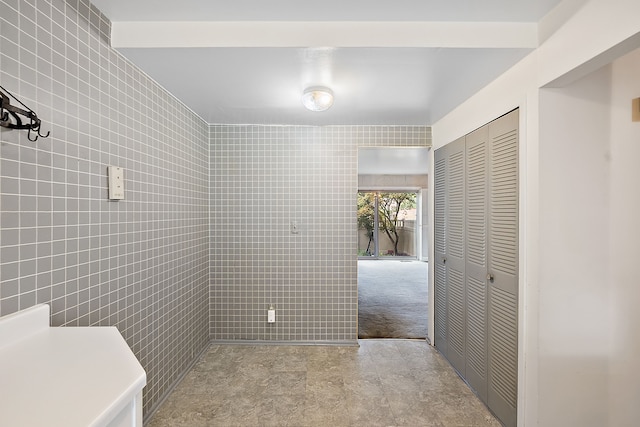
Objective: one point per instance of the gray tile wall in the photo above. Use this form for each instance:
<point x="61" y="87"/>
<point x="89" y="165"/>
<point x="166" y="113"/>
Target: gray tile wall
<point x="140" y="264"/>
<point x="262" y="179"/>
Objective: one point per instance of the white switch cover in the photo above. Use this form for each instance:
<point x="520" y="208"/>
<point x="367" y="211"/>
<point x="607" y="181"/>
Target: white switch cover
<point x="116" y="183"/>
<point x="271" y="315"/>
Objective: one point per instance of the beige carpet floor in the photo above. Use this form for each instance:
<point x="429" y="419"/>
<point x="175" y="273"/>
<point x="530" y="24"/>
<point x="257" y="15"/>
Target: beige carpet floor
<point x="392" y="299"/>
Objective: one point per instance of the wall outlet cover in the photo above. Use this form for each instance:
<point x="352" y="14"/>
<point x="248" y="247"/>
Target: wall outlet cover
<point x="116" y="182"/>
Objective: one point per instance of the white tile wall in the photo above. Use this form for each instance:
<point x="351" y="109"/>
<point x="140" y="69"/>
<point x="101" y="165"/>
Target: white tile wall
<point x="140" y="264"/>
<point x="262" y="179"/>
<point x="143" y="264"/>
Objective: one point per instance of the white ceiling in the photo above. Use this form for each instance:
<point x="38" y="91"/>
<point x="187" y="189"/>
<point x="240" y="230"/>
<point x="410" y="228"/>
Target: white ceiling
<point x="402" y="62"/>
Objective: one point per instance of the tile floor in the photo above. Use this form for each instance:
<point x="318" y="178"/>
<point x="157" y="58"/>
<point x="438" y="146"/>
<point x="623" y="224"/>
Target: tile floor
<point x="381" y="383"/>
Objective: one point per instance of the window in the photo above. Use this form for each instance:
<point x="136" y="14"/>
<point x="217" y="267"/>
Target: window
<point x="387" y="224"/>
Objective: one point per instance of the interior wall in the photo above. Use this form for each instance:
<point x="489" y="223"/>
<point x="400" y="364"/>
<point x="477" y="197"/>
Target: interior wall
<point x="392" y="182"/>
<point x="624" y="245"/>
<point x="140" y="264"/>
<point x="574" y="265"/>
<point x="565" y="56"/>
<point x="263" y="178"/>
<point x="588" y="222"/>
<point x="598" y="32"/>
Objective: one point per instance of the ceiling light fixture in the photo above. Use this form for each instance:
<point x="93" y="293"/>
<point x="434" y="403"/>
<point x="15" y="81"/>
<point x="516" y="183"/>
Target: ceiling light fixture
<point x="317" y="98"/>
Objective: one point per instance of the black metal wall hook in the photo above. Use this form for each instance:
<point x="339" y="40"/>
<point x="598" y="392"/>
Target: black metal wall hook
<point x="10" y="116"/>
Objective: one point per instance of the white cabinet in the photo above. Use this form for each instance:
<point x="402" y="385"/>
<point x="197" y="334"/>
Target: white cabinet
<point x="67" y="376"/>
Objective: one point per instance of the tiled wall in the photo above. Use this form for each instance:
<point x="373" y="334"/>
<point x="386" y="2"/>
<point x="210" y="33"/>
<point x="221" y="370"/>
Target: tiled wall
<point x="140" y="264"/>
<point x="263" y="178"/>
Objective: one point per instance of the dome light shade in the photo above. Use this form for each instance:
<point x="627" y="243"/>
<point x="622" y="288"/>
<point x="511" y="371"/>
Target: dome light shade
<point x="317" y="98"/>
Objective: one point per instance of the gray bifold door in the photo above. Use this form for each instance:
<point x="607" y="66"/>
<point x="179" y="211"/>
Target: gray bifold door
<point x="450" y="335"/>
<point x="476" y="261"/>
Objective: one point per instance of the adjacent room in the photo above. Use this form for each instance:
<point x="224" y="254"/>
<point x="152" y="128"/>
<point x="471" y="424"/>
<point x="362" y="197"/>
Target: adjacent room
<point x="364" y="213"/>
<point x="392" y="242"/>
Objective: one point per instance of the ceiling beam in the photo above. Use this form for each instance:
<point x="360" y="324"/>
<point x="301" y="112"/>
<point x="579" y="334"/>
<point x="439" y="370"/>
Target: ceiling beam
<point x="324" y="34"/>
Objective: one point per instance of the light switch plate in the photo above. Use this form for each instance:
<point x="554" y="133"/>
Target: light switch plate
<point x="295" y="228"/>
<point x="116" y="182"/>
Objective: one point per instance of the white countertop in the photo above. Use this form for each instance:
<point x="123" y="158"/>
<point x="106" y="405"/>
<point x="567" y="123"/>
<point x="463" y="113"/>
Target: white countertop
<point x="66" y="376"/>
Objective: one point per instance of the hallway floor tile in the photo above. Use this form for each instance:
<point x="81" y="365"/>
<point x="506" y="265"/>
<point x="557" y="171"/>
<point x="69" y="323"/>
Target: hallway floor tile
<point x="381" y="383"/>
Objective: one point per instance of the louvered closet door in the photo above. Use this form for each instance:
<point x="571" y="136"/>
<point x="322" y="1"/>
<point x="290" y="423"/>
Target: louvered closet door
<point x="476" y="260"/>
<point x="450" y="297"/>
<point x="503" y="268"/>
<point x="440" y="279"/>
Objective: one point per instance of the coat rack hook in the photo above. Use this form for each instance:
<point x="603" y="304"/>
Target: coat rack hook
<point x="10" y="116"/>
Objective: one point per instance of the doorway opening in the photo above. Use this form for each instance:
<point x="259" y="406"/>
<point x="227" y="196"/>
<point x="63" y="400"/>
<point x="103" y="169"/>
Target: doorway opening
<point x="392" y="242"/>
<point x="392" y="283"/>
